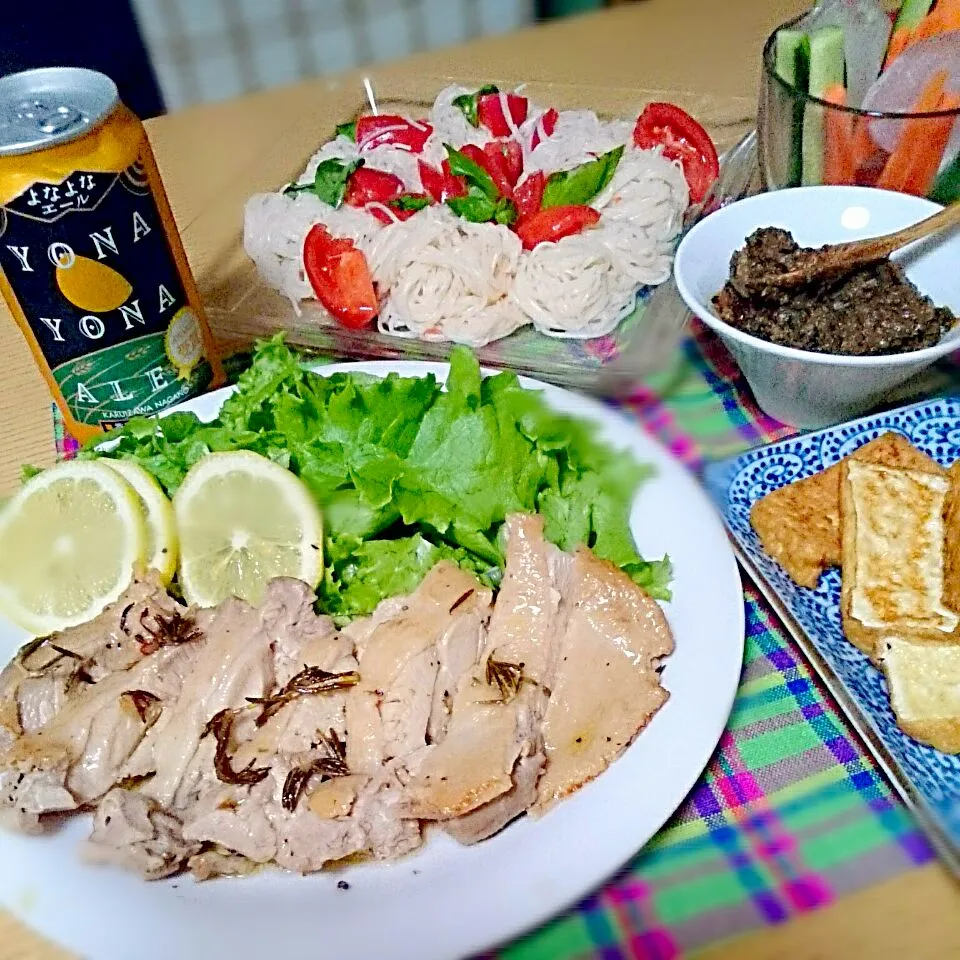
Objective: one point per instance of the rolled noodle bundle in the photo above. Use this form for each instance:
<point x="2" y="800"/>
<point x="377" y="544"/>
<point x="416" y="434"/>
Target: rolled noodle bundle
<point x="447" y="279"/>
<point x="641" y="213"/>
<point x="574" y="287"/>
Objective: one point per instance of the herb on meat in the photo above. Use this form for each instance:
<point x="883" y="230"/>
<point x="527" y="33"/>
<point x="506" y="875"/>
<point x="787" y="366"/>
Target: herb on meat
<point x="166" y="631"/>
<point x="308" y="682"/>
<point x="79" y="674"/>
<point x="134" y="782"/>
<point x="463" y="598"/>
<point x="333" y="765"/>
<point x="146" y="704"/>
<point x="221" y="725"/>
<point x="64" y="652"/>
<point x="507" y="677"/>
<point x="28" y="650"/>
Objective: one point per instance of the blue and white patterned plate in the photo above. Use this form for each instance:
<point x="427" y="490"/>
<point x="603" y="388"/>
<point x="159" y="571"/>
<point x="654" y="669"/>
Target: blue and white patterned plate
<point x="929" y="780"/>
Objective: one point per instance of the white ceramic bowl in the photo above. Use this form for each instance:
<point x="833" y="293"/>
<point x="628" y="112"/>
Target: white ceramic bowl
<point x="800" y="387"/>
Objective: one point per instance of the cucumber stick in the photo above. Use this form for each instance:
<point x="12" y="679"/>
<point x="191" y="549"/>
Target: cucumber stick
<point x="826" y="69"/>
<point x="911" y="13"/>
<point x="946" y="188"/>
<point x="792" y="64"/>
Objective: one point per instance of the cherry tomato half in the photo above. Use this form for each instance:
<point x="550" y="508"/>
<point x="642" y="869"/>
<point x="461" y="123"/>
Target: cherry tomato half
<point x="507" y="154"/>
<point x="682" y="138"/>
<point x="490" y="112"/>
<point x="440" y="184"/>
<point x="529" y="195"/>
<point x="493" y="165"/>
<point x="372" y="186"/>
<point x="340" y="277"/>
<point x="546" y="124"/>
<point x="555" y="223"/>
<point x="393" y="130"/>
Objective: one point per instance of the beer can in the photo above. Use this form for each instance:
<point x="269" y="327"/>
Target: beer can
<point x="91" y="263"/>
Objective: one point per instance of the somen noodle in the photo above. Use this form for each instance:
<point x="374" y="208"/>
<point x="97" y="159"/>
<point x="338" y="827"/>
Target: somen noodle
<point x="441" y="277"/>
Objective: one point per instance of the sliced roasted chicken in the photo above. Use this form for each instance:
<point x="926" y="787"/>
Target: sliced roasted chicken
<point x="76" y="704"/>
<point x="495" y="723"/>
<point x="132" y="831"/>
<point x="236" y="662"/>
<point x="279" y="750"/>
<point x="78" y="755"/>
<point x="492" y="817"/>
<point x="607" y="686"/>
<point x="34" y="684"/>
<point x="399" y="652"/>
<point x="239" y="736"/>
<point x="523" y="628"/>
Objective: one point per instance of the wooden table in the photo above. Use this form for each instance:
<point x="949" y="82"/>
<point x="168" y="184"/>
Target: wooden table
<point x="701" y="53"/>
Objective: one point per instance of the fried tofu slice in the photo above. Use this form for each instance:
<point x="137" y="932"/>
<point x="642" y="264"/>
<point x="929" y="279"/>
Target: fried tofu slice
<point x="893" y="554"/>
<point x="951" y="549"/>
<point x="799" y="524"/>
<point x="924" y="684"/>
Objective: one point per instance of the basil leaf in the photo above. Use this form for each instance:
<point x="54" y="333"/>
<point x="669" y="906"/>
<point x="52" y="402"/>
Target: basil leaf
<point x="474" y="207"/>
<point x="409" y="201"/>
<point x="506" y="212"/>
<point x="462" y="166"/>
<point x="329" y="182"/>
<point x="468" y="103"/>
<point x="348" y="130"/>
<point x="580" y="185"/>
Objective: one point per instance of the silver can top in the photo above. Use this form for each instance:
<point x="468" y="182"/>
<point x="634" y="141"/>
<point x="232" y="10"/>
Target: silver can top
<point x="41" y="108"/>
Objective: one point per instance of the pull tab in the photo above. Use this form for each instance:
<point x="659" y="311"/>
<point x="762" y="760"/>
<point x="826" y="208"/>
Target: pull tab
<point x="50" y="120"/>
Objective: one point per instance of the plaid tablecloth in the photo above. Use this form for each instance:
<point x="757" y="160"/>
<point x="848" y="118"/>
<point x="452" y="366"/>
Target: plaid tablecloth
<point x="791" y="812"/>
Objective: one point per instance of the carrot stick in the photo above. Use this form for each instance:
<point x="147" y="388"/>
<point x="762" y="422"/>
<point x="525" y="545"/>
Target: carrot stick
<point x="912" y="135"/>
<point x="838" y="165"/>
<point x="864" y="149"/>
<point x="943" y="19"/>
<point x="926" y="162"/>
<point x="899" y="41"/>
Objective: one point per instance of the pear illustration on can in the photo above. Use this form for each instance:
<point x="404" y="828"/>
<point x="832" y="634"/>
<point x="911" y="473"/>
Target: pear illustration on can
<point x="90" y="285"/>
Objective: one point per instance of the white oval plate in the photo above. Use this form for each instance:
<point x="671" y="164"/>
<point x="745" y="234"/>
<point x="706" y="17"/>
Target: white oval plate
<point x="445" y="901"/>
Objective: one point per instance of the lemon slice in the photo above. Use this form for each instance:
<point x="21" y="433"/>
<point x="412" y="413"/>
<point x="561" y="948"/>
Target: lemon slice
<point x="70" y="542"/>
<point x="161" y="525"/>
<point x="183" y="342"/>
<point x="243" y="520"/>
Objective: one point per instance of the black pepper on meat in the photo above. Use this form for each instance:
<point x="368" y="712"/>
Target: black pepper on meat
<point x="872" y="311"/>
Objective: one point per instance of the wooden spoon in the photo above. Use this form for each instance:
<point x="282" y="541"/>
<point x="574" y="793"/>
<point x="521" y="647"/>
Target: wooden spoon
<point x="835" y="261"/>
